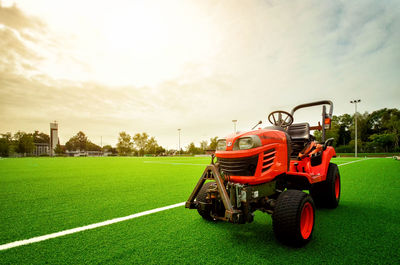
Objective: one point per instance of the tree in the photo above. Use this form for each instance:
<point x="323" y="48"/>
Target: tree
<point x="140" y="141"/>
<point x="192" y="149"/>
<point x="160" y="150"/>
<point x="6" y="144"/>
<point x="203" y="145"/>
<point x="383" y="141"/>
<point x="109" y="148"/>
<point x="92" y="146"/>
<point x="345" y="122"/>
<point x="385" y="121"/>
<point x="39" y="137"/>
<point x="24" y="143"/>
<point x="364" y="127"/>
<point x="375" y="119"/>
<point x="59" y="150"/>
<point x="124" y="145"/>
<point x="77" y="142"/>
<point x="213" y="143"/>
<point x="151" y="146"/>
<point x="393" y="126"/>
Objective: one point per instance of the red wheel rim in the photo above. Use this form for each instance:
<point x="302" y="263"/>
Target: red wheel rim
<point x="337" y="187"/>
<point x="306" y="220"/>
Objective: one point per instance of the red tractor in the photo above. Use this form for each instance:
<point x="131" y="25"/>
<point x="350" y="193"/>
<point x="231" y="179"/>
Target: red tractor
<point x="268" y="170"/>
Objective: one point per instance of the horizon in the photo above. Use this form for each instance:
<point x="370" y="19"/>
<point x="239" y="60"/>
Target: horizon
<point x="101" y="144"/>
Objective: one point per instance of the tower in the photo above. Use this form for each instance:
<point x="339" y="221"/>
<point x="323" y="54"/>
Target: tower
<point x="53" y="137"/>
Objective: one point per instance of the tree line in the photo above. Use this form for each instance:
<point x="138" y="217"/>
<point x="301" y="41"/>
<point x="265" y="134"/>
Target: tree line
<point x="377" y="132"/>
<point x="139" y="144"/>
<point x="192" y="149"/>
<point x="79" y="142"/>
<point x="142" y="144"/>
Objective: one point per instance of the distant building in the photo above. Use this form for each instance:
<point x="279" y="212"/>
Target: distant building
<point x="84" y="153"/>
<point x="53" y="137"/>
<point x="76" y="153"/>
<point x="41" y="149"/>
<point x="44" y="147"/>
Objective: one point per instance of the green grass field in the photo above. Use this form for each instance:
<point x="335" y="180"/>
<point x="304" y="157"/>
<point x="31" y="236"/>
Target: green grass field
<point x="39" y="196"/>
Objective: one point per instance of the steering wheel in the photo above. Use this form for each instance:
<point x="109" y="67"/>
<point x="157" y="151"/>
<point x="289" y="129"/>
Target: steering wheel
<point x="277" y="119"/>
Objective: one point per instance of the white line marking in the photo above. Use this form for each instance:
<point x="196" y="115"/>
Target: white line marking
<point x="354" y="161"/>
<point x="86" y="227"/>
<point x="108" y="222"/>
<point x="168" y="163"/>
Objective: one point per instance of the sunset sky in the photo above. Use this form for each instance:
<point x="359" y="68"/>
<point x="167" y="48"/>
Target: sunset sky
<point x="155" y="66"/>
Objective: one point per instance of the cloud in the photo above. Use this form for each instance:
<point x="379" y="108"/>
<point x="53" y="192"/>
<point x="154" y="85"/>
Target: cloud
<point x="262" y="56"/>
<point x="91" y="106"/>
<point x="18" y="36"/>
<point x="14" y="18"/>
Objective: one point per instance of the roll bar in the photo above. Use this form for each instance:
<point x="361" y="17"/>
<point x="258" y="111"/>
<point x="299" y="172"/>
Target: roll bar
<point x="326" y="118"/>
<point x="316" y="103"/>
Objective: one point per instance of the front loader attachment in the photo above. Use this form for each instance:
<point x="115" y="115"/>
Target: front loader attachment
<point x="212" y="173"/>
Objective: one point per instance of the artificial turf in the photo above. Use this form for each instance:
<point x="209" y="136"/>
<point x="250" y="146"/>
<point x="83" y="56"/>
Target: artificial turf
<point x="44" y="195"/>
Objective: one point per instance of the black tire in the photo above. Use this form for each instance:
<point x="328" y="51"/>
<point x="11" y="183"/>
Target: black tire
<point x="327" y="193"/>
<point x="293" y="218"/>
<point x="201" y="197"/>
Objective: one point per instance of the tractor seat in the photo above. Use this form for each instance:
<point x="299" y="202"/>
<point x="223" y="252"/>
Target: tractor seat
<point x="300" y="134"/>
<point x="299" y="131"/>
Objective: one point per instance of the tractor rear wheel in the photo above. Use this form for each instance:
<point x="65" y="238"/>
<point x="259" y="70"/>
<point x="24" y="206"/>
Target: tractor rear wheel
<point x="293" y="218"/>
<point x="327" y="193"/>
<point x="201" y="197"/>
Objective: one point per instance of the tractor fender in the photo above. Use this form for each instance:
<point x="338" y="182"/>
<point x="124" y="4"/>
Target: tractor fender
<point x="322" y="169"/>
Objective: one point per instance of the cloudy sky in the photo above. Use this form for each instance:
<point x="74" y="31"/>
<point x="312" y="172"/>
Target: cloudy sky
<point x="155" y="66"/>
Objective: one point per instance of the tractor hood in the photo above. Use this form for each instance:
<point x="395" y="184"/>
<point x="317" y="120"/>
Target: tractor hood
<point x="265" y="136"/>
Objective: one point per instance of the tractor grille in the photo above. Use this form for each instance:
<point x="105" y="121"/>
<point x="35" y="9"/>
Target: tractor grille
<point x="268" y="159"/>
<point x="244" y="166"/>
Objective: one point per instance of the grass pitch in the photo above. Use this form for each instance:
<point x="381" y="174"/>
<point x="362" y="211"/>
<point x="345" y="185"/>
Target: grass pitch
<point x="39" y="196"/>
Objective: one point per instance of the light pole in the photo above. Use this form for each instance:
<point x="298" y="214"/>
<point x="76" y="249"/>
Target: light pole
<point x="234" y="126"/>
<point x="179" y="145"/>
<point x="355" y="123"/>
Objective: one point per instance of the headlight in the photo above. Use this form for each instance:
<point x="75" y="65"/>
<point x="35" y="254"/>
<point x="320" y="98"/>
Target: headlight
<point x="221" y="145"/>
<point x="246" y="143"/>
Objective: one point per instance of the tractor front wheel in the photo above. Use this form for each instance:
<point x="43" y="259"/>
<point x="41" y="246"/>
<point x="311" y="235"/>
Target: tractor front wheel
<point x="293" y="218"/>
